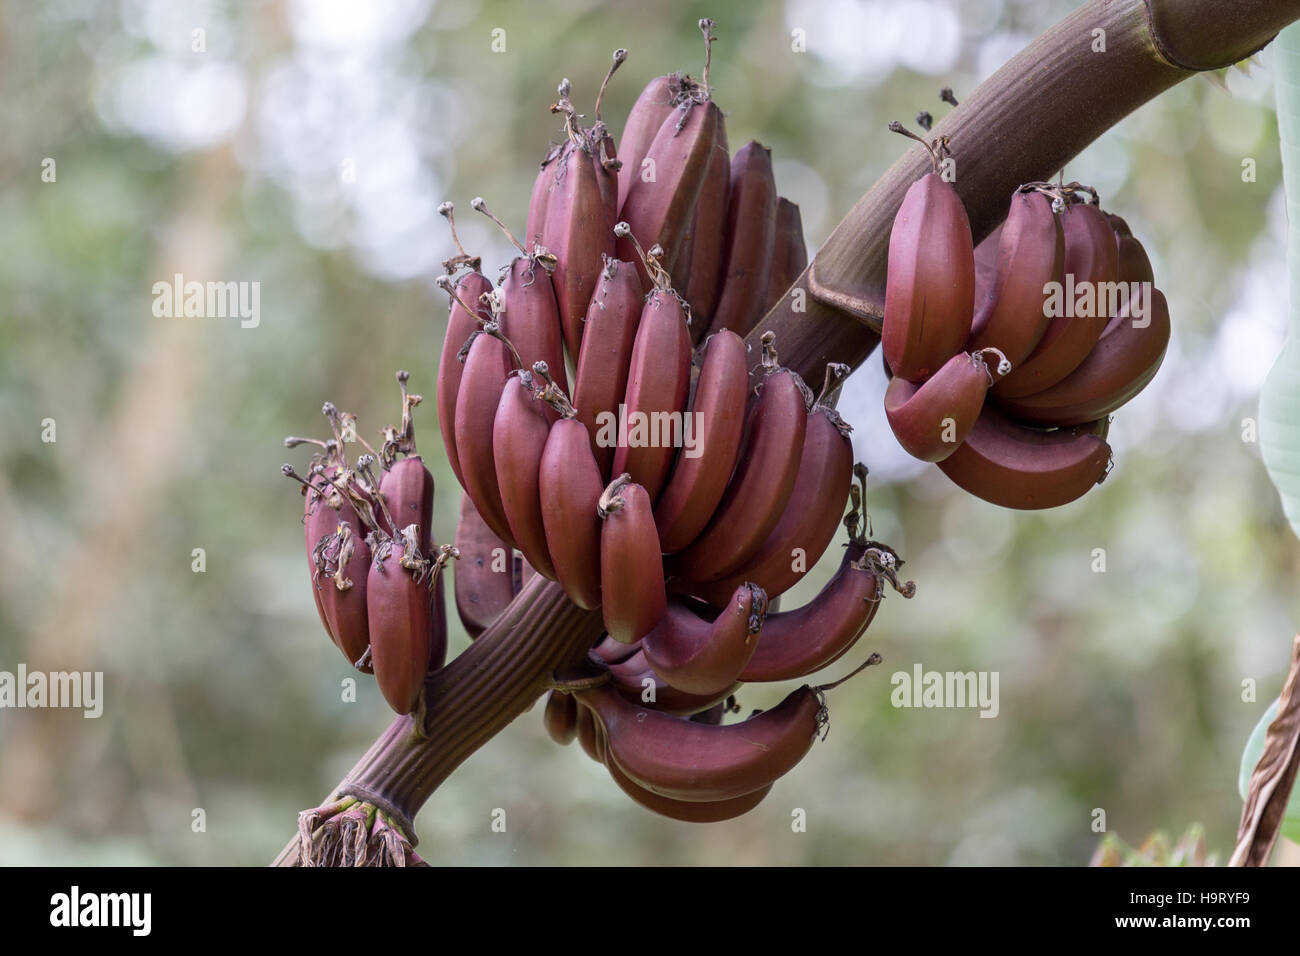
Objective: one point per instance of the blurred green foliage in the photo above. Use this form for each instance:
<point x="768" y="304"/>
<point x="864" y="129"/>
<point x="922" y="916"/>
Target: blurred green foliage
<point x="306" y="158"/>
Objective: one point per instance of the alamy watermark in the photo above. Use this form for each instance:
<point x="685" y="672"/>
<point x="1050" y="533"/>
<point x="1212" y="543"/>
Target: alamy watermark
<point x="922" y="688"/>
<point x="78" y="690"/>
<point x="208" y="300"/>
<point x="1089" y="300"/>
<point x="651" y="430"/>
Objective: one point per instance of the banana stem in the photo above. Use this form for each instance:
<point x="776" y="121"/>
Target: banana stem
<point x="472" y="699"/>
<point x="619" y="56"/>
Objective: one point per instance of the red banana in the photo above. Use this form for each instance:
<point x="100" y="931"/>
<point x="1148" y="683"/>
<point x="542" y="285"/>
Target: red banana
<point x="341" y="559"/>
<point x="808" y="523"/>
<point x="686" y="760"/>
<point x="932" y="419"/>
<point x="930" y="283"/>
<point x="648" y="113"/>
<point x="578" y="229"/>
<point x="636" y="680"/>
<point x="1010" y="316"/>
<point x="986" y="267"/>
<point x="1133" y="266"/>
<point x="789" y="254"/>
<point x="658" y="386"/>
<point x="561" y="717"/>
<point x="519" y="434"/>
<point x="484" y="576"/>
<point x="610" y="651"/>
<point x="465" y="313"/>
<point x="1020" y="467"/>
<point x="663" y="189"/>
<point x="406" y="496"/>
<point x="487" y="364"/>
<point x="606" y="353"/>
<point x="751" y="239"/>
<point x="801" y="641"/>
<point x="569" y="486"/>
<point x="702" y="657"/>
<point x="530" y="318"/>
<point x="660" y="210"/>
<point x="763" y="481"/>
<point x="406" y="616"/>
<point x="1091" y="262"/>
<point x="708" y="811"/>
<point x="589" y="736"/>
<point x="1119" y="366"/>
<point x="539" y="200"/>
<point x="716" y="416"/>
<point x="702" y="280"/>
<point x="631" y="564"/>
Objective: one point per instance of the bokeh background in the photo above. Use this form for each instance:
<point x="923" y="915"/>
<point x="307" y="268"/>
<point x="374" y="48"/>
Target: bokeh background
<point x="306" y="147"/>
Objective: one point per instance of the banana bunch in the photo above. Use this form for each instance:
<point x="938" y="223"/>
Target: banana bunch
<point x="1007" y="359"/>
<point x="612" y="433"/>
<point x="375" y="568"/>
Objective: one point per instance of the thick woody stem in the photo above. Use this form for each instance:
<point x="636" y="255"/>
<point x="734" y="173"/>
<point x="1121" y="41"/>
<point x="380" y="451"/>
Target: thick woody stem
<point x="473" y="698"/>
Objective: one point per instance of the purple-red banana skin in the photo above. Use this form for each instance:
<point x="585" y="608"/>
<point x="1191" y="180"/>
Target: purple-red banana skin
<point x="697" y="484"/>
<point x="705" y="657"/>
<point x="803" y="640"/>
<point x="1031" y="253"/>
<point x="532" y="317"/>
<point x="561" y="717"/>
<point x="401" y="620"/>
<point x="484" y="378"/>
<point x="1019" y="467"/>
<point x="602" y="368"/>
<point x="931" y="420"/>
<point x="810" y="519"/>
<point x="710" y="811"/>
<point x="319" y="520"/>
<point x="1119" y="366"/>
<point x="519" y="434"/>
<point x="761" y="487"/>
<point x="660" y="212"/>
<point x="484" y="574"/>
<point x="687" y="760"/>
<point x="408" y="488"/>
<point x="930" y="284"/>
<point x="658" y="383"/>
<point x="789" y="253"/>
<point x="588" y="734"/>
<point x="634" y="677"/>
<point x="569" y="485"/>
<point x="343" y="611"/>
<point x="751" y="239"/>
<point x="611" y="651"/>
<point x="633" y="598"/>
<point x="1133" y="265"/>
<point x="539" y="201"/>
<point x="460" y="325"/>
<point x="708" y="239"/>
<point x="579" y="230"/>
<point x="986" y="267"/>
<point x="648" y="113"/>
<point x="1091" y="257"/>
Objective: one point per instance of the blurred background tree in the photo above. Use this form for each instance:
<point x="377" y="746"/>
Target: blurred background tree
<point x="305" y="145"/>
